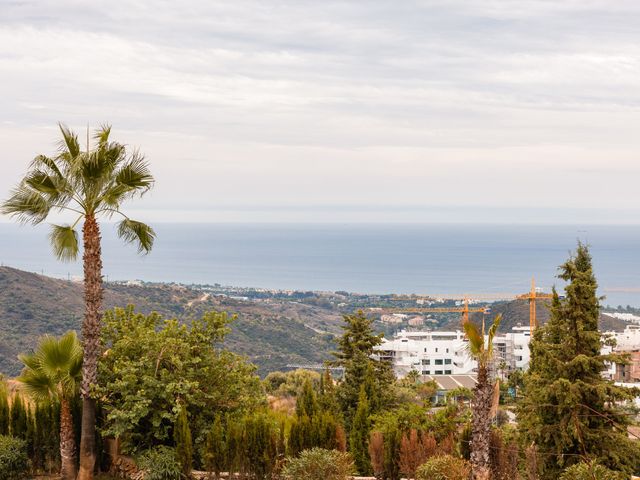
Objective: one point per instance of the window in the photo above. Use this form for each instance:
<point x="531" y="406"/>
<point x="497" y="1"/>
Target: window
<point x="436" y="349"/>
<point x="447" y="350"/>
<point x="438" y="372"/>
<point x="426" y="372"/>
<point x="447" y="361"/>
<point x="519" y="358"/>
<point x="438" y="361"/>
<point x="425" y="349"/>
<point x="426" y="362"/>
<point x="447" y="372"/>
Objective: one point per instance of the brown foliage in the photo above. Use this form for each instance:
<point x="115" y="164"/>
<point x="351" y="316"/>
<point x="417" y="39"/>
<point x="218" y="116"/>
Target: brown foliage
<point x="503" y="458"/>
<point x="376" y="452"/>
<point x="341" y="439"/>
<point x="415" y="449"/>
<point x="447" y="445"/>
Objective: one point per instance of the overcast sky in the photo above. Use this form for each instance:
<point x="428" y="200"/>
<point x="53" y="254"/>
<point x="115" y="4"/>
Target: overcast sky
<point x="424" y="111"/>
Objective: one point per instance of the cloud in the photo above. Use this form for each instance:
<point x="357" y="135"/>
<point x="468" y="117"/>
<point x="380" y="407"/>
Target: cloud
<point x="309" y="103"/>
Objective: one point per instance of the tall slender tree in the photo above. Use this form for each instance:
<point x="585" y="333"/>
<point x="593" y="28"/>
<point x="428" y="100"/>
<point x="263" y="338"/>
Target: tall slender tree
<point x="569" y="410"/>
<point x="481" y="350"/>
<point x="54" y="371"/>
<point x="90" y="184"/>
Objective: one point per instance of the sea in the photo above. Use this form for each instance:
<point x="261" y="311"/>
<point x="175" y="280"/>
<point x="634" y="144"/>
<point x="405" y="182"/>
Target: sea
<point x="439" y="260"/>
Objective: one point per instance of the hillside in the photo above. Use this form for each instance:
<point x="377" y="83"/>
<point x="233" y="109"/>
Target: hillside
<point x="270" y="334"/>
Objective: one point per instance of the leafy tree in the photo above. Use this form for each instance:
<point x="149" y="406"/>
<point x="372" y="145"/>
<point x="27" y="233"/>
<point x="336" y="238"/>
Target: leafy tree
<point x="444" y="467"/>
<point x="184" y="444"/>
<point x="90" y="184"/>
<point x="482" y="352"/>
<point x="14" y="461"/>
<point x="150" y="362"/>
<point x="359" y="436"/>
<point x="54" y="371"/>
<point x="569" y="410"/>
<point x="591" y="471"/>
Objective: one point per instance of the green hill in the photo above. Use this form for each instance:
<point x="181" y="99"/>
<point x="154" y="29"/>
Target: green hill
<point x="270" y="334"/>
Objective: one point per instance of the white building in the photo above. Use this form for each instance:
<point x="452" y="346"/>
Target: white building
<point x="445" y="353"/>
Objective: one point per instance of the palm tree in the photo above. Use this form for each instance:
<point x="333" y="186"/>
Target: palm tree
<point x="54" y="371"/>
<point x="89" y="184"/>
<point x="483" y="396"/>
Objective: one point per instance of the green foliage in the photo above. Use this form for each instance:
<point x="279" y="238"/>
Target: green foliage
<point x="160" y="463"/>
<point x="320" y="464"/>
<point x="290" y="383"/>
<point x="86" y="183"/>
<point x="215" y="448"/>
<point x="359" y="435"/>
<point x="591" y="471"/>
<point x="355" y="348"/>
<point x="568" y="409"/>
<point x="14" y="462"/>
<point x="444" y="467"/>
<point x="5" y="411"/>
<point x="183" y="442"/>
<point x="150" y="361"/>
<point x="54" y="369"/>
<point x="19" y="418"/>
<point x="306" y="402"/>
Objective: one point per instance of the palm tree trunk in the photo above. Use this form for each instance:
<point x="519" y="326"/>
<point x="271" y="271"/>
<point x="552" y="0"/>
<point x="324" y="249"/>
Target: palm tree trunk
<point x="67" y="442"/>
<point x="481" y="425"/>
<point x="93" y="291"/>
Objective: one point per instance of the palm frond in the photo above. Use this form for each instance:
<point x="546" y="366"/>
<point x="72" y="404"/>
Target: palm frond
<point x="26" y="205"/>
<point x="476" y="339"/>
<point x="48" y="164"/>
<point x="64" y="240"/>
<point x="37" y="385"/>
<point x="133" y="178"/>
<point x="141" y="233"/>
<point x="102" y="134"/>
<point x="69" y="141"/>
<point x="494" y="328"/>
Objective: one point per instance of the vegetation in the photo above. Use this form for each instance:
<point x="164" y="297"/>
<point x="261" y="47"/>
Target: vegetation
<point x="89" y="184"/>
<point x="590" y="471"/>
<point x="53" y="371"/>
<point x="320" y="464"/>
<point x="568" y="410"/>
<point x="14" y="462"/>
<point x="160" y="463"/>
<point x="482" y="351"/>
<point x="444" y="467"/>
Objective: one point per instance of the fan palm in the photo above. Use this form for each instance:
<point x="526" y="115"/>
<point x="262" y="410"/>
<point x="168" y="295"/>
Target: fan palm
<point x="482" y="351"/>
<point x="90" y="184"/>
<point x="54" y="371"/>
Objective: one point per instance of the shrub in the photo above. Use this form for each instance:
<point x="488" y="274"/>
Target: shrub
<point x="590" y="471"/>
<point x="14" y="462"/>
<point x="444" y="467"/>
<point x="160" y="463"/>
<point x="320" y="464"/>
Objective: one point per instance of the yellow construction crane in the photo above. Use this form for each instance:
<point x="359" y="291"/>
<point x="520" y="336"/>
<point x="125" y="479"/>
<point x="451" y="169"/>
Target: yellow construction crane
<point x="532" y="296"/>
<point x="464" y="310"/>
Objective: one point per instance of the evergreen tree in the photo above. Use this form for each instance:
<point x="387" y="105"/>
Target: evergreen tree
<point x="182" y="439"/>
<point x="215" y="448"/>
<point x="18" y="418"/>
<point x="359" y="436"/>
<point x="355" y="350"/>
<point x="307" y="403"/>
<point x="5" y="412"/>
<point x="569" y="410"/>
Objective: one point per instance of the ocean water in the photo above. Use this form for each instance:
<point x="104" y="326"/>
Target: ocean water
<point x="426" y="259"/>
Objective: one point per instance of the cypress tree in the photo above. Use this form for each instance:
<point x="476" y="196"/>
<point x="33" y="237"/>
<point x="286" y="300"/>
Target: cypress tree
<point x="182" y="439"/>
<point x="18" y="418"/>
<point x="5" y="412"/>
<point x="215" y="448"/>
<point x="306" y="403"/>
<point x="359" y="436"/>
<point x="569" y="410"/>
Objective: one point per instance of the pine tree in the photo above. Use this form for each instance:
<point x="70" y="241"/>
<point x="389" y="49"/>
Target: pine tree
<point x="182" y="439"/>
<point x="569" y="410"/>
<point x="307" y="403"/>
<point x="359" y="436"/>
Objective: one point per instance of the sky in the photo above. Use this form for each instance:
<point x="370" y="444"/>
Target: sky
<point x="325" y="111"/>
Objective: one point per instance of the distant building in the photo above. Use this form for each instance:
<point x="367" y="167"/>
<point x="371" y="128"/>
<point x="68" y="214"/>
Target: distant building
<point x="445" y="353"/>
<point x="416" y="321"/>
<point x="393" y="319"/>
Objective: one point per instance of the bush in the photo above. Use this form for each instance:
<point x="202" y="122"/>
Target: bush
<point x="590" y="471"/>
<point x="160" y="463"/>
<point x="444" y="467"/>
<point x="320" y="464"/>
<point x="14" y="462"/>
